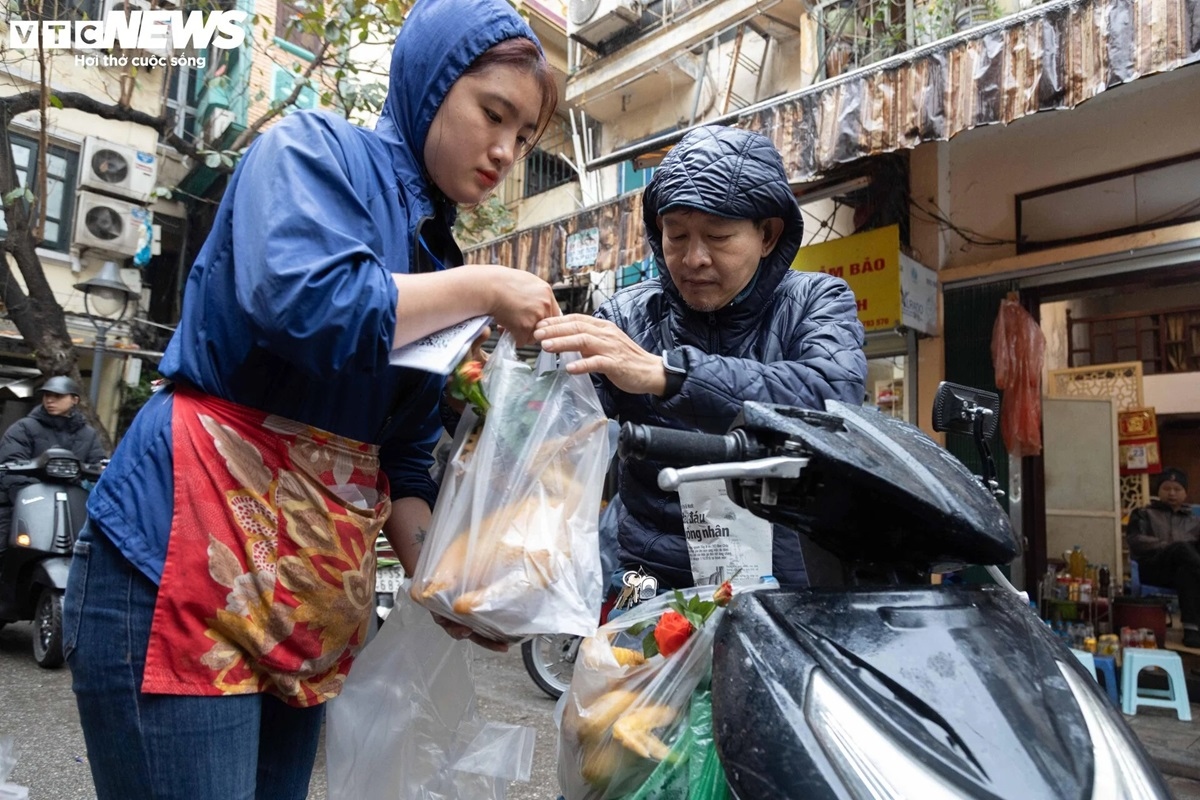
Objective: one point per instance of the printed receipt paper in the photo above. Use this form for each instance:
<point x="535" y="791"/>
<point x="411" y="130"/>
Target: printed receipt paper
<point x="442" y="351"/>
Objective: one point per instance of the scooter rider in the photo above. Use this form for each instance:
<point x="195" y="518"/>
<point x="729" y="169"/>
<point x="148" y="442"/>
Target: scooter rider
<point x="726" y="320"/>
<point x="55" y="422"/>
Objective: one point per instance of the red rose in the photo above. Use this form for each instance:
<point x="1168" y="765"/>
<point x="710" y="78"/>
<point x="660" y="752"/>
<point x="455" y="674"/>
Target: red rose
<point x="723" y="594"/>
<point x="471" y="371"/>
<point x="671" y="632"/>
<point x="465" y="384"/>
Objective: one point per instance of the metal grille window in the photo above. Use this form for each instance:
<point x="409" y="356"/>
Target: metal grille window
<point x="858" y="32"/>
<point x="1167" y="341"/>
<point x="544" y="171"/>
<point x="546" y="166"/>
<point x="182" y="97"/>
<point x="61" y="167"/>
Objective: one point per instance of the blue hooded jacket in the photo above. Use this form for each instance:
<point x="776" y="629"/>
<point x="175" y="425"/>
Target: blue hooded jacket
<point x="790" y="337"/>
<point x="290" y="307"/>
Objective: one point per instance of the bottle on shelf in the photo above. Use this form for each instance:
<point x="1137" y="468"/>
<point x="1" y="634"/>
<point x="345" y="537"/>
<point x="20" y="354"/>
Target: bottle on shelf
<point x="1104" y="579"/>
<point x="1077" y="565"/>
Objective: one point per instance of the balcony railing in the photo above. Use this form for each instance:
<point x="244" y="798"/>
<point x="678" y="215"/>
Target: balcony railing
<point x="854" y="33"/>
<point x="1164" y="341"/>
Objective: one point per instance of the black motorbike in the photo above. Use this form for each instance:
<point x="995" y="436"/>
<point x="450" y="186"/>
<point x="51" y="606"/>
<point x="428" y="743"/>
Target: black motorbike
<point x="47" y="516"/>
<point x="887" y="686"/>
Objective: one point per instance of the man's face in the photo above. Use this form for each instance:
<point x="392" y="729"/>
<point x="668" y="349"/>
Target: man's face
<point x="712" y="258"/>
<point x="1172" y="493"/>
<point x="58" y="404"/>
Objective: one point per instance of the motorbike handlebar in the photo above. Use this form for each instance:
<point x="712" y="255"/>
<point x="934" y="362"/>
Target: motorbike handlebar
<point x="685" y="447"/>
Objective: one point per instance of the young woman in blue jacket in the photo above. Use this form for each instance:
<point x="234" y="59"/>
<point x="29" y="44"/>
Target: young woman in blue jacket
<point x="226" y="578"/>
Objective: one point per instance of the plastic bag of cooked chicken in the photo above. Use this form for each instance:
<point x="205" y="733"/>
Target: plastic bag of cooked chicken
<point x="631" y="694"/>
<point x="513" y="548"/>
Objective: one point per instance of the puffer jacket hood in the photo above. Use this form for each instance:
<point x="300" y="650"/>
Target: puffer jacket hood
<point x="436" y="44"/>
<point x="732" y="173"/>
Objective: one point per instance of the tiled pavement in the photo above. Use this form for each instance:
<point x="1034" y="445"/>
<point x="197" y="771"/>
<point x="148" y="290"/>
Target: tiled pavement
<point x="1173" y="745"/>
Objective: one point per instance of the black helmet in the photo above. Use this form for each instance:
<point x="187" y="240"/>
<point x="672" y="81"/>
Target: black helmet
<point x="60" y="384"/>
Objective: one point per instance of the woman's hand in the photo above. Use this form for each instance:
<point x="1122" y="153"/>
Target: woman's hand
<point x="606" y="349"/>
<point x="520" y="300"/>
<point x="459" y="631"/>
<point x="429" y="301"/>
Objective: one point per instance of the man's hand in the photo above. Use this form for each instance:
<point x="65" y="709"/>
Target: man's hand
<point x="605" y="349"/>
<point x="459" y="631"/>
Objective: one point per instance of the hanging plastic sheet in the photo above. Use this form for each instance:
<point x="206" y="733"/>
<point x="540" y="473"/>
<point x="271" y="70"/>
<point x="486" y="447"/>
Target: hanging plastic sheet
<point x="1018" y="353"/>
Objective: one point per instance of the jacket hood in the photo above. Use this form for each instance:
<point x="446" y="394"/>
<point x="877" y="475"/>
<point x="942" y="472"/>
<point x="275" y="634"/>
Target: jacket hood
<point x="733" y="173"/>
<point x="437" y="42"/>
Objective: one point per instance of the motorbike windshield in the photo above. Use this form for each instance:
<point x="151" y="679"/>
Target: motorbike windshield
<point x="880" y="489"/>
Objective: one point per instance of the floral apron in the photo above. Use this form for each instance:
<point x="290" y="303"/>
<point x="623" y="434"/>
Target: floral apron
<point x="269" y="580"/>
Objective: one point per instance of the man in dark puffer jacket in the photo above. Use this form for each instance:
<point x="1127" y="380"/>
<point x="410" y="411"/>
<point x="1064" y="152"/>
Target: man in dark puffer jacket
<point x="55" y="422"/>
<point x="727" y="320"/>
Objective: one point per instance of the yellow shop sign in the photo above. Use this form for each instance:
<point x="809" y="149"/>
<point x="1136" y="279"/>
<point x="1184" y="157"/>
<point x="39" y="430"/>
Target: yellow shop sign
<point x="890" y="288"/>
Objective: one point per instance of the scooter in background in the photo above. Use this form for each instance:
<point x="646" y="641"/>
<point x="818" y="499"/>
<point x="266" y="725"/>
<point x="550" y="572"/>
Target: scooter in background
<point x="887" y="686"/>
<point x="47" y="517"/>
<point x="389" y="575"/>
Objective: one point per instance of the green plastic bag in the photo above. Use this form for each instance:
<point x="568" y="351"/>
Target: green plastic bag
<point x="692" y="770"/>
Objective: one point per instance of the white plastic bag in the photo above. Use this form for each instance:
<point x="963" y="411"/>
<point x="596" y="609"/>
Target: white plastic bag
<point x="406" y="725"/>
<point x="513" y="548"/>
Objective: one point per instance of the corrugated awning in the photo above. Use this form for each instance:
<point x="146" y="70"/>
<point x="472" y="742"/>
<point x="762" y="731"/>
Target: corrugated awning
<point x="1050" y="57"/>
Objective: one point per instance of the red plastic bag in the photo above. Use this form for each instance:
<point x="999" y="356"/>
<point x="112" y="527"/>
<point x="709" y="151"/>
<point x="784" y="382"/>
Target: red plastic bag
<point x="1018" y="353"/>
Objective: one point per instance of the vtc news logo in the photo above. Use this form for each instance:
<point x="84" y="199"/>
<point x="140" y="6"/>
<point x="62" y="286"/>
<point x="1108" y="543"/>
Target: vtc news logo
<point x="141" y="30"/>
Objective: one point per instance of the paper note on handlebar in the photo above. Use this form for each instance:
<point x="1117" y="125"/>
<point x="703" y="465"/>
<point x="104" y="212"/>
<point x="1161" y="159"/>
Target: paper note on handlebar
<point x="513" y="548"/>
<point x="723" y="539"/>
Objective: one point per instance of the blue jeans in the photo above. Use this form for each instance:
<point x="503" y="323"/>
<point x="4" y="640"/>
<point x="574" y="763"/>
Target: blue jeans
<point x="244" y="747"/>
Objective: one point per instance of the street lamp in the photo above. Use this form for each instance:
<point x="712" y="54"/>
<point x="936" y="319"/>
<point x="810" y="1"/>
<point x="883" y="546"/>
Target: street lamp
<point x="105" y="299"/>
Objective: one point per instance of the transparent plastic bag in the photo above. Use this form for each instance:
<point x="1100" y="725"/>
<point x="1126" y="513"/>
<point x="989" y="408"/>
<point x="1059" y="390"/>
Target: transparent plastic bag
<point x="8" y="760"/>
<point x="513" y="549"/>
<point x="625" y="712"/>
<point x="406" y="725"/>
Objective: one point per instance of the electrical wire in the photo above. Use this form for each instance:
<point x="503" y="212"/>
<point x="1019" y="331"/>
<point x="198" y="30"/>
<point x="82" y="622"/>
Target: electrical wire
<point x="940" y="218"/>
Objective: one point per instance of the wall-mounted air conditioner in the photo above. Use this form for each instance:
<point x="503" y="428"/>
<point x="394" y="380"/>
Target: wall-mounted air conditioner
<point x="117" y="169"/>
<point x="111" y="225"/>
<point x="593" y="21"/>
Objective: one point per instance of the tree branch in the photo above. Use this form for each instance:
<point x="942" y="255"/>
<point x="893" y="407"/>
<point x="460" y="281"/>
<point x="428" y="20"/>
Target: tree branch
<point x="297" y="87"/>
<point x="23" y="102"/>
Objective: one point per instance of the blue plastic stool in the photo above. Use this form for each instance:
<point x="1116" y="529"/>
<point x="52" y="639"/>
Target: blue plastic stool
<point x="1174" y="696"/>
<point x="1107" y="667"/>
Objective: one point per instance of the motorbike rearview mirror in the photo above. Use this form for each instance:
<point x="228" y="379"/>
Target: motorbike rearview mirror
<point x="974" y="412"/>
<point x="956" y="408"/>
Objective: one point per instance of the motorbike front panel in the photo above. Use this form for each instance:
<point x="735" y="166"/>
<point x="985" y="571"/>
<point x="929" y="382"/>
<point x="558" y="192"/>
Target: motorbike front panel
<point x="961" y="685"/>
<point x="51" y="514"/>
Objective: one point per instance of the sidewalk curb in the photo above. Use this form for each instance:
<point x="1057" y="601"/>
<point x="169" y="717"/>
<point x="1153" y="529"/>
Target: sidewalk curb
<point x="1170" y="763"/>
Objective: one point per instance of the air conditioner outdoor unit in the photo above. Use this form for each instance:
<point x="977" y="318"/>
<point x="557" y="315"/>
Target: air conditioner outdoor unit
<point x="593" y="21"/>
<point x="111" y="225"/>
<point x="117" y="169"/>
<point x="219" y="121"/>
